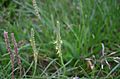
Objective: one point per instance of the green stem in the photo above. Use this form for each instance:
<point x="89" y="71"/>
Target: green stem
<point x="62" y="62"/>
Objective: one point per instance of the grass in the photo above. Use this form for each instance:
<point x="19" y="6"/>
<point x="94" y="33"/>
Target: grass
<point x="89" y="31"/>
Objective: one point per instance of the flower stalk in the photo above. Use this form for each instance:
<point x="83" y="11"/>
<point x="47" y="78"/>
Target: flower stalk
<point x="10" y="52"/>
<point x="35" y="51"/>
<point x="58" y="43"/>
<point x="16" y="52"/>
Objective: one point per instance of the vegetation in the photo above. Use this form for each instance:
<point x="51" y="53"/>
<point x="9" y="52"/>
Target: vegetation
<point x="59" y="39"/>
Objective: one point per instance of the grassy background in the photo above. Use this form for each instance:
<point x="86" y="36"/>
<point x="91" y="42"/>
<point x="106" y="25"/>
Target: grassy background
<point x="84" y="26"/>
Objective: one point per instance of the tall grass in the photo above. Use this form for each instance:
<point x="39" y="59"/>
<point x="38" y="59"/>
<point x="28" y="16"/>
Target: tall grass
<point x="83" y="26"/>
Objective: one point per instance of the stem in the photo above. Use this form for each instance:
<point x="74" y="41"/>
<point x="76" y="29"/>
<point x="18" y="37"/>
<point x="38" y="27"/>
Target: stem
<point x="62" y="62"/>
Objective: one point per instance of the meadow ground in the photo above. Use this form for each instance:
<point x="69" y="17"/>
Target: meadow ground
<point x="60" y="39"/>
